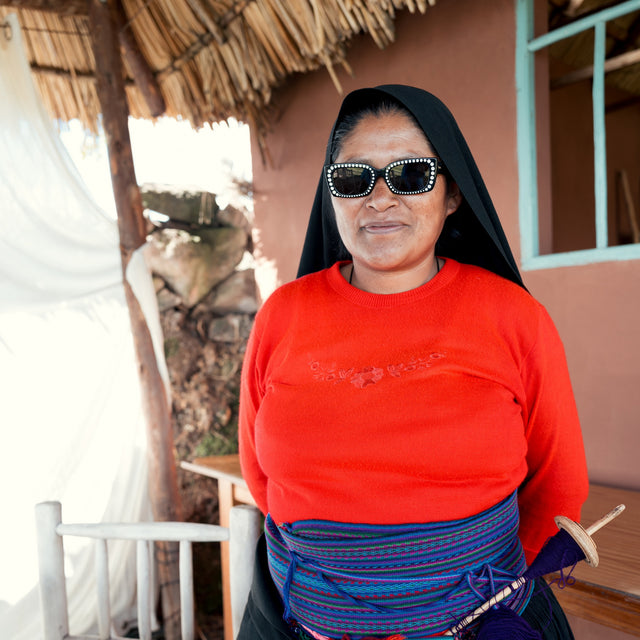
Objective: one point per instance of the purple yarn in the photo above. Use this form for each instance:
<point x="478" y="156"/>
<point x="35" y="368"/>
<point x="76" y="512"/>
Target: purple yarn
<point x="501" y="623"/>
<point x="558" y="552"/>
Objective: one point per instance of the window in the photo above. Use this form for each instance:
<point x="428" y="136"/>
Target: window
<point x="579" y="136"/>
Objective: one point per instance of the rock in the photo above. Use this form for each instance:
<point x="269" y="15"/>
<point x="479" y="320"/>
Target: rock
<point x="237" y="294"/>
<point x="185" y="204"/>
<point x="225" y="329"/>
<point x="231" y="328"/>
<point x="232" y="217"/>
<point x="158" y="284"/>
<point x="192" y="264"/>
<point x="167" y="299"/>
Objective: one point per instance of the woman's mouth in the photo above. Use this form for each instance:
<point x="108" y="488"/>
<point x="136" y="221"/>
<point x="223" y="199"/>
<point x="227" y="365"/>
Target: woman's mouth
<point x="383" y="227"/>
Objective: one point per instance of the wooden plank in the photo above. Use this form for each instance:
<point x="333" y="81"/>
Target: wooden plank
<point x="227" y="467"/>
<point x="602" y="606"/>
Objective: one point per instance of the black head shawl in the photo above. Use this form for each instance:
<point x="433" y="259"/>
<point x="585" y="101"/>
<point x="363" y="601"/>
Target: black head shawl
<point x="472" y="234"/>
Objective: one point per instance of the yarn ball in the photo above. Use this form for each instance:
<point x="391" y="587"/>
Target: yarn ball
<point x="501" y="623"/>
<point x="559" y="551"/>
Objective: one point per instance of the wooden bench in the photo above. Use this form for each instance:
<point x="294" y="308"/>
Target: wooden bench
<point x="608" y="594"/>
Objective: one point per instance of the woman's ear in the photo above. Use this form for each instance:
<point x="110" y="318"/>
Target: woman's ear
<point x="454" y="197"/>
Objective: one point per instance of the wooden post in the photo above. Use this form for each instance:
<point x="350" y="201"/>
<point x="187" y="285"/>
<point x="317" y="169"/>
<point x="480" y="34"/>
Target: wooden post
<point x="142" y="74"/>
<point x="163" y="488"/>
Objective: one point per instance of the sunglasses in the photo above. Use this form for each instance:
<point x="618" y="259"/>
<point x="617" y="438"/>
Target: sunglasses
<point x="403" y="177"/>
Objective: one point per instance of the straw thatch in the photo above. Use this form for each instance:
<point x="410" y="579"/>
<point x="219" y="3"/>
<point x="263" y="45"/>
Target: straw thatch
<point x="211" y="59"/>
<point x="208" y="60"/>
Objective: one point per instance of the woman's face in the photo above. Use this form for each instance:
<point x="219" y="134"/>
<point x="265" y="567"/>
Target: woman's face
<point x="391" y="237"/>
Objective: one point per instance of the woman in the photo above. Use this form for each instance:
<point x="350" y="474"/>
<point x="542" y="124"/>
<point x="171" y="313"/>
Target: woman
<point x="407" y="421"/>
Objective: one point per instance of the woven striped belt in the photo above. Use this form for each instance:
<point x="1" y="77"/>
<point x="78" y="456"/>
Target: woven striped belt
<point x="416" y="579"/>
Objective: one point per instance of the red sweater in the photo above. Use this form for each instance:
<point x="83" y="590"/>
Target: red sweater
<point x="428" y="405"/>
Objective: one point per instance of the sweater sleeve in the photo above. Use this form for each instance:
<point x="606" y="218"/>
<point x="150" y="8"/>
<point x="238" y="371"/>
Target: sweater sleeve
<point x="251" y="393"/>
<point x="556" y="481"/>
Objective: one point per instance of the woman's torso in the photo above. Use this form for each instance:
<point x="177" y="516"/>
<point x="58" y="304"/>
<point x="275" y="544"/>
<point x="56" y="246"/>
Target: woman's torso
<point x="388" y="409"/>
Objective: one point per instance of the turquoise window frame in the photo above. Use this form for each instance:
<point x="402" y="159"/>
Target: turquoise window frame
<point x="526" y="47"/>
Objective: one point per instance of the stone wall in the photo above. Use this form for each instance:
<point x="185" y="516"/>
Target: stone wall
<point x="202" y="267"/>
<point x="201" y="261"/>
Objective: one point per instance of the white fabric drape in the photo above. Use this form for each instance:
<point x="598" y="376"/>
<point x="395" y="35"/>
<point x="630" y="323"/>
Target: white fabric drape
<point x="70" y="406"/>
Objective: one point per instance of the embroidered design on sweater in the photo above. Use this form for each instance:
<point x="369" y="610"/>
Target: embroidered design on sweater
<point x="367" y="376"/>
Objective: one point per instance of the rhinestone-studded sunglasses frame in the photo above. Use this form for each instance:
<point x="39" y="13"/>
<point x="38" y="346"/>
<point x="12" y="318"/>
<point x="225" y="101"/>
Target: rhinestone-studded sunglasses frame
<point x="434" y="164"/>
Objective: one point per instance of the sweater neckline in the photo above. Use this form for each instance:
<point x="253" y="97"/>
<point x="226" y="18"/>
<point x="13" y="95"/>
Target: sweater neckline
<point x="385" y="300"/>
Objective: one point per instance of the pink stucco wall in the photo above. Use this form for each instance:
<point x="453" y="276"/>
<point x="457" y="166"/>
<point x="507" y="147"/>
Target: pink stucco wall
<point x="463" y="52"/>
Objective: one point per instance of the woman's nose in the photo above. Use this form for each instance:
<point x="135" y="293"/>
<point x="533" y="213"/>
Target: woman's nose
<point x="381" y="197"/>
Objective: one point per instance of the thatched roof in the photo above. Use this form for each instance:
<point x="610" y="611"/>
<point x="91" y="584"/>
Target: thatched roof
<point x="211" y="59"/>
<point x="208" y="60"/>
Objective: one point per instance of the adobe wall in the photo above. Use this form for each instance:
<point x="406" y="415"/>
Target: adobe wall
<point x="463" y="52"/>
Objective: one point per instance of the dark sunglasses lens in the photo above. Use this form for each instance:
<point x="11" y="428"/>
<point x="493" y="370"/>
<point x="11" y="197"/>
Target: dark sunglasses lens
<point x="351" y="181"/>
<point x="410" y="176"/>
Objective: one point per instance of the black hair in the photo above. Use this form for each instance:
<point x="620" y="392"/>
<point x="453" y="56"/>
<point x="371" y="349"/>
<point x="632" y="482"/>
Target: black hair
<point x="351" y="120"/>
<point x="385" y="106"/>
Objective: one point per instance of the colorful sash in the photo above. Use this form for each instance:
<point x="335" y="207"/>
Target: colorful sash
<point x="416" y="579"/>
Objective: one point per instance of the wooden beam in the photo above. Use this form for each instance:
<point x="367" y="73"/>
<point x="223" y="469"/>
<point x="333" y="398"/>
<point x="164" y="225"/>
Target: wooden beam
<point x="142" y="73"/>
<point x="165" y="499"/>
<point x="622" y="104"/>
<point x="67" y="75"/>
<point x="612" y="64"/>
<point x="63" y="73"/>
<point x="62" y="7"/>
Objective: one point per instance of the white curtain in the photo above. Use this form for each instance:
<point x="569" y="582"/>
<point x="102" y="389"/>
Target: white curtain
<point x="70" y="406"/>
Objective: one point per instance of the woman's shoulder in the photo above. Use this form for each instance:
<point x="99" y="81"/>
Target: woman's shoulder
<point x="501" y="302"/>
<point x="492" y="285"/>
